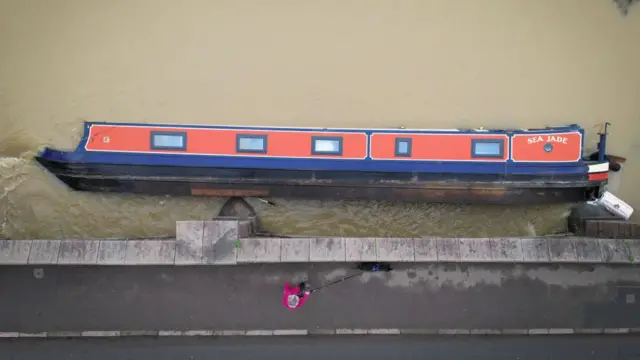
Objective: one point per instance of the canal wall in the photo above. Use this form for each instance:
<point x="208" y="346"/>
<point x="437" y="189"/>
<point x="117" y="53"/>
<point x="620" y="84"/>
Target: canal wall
<point x="231" y="241"/>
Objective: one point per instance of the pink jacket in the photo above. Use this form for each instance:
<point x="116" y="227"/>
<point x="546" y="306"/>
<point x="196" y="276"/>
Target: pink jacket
<point x="295" y="291"/>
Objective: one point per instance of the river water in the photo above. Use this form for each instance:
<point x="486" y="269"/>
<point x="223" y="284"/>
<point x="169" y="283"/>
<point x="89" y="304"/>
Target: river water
<point x="374" y="63"/>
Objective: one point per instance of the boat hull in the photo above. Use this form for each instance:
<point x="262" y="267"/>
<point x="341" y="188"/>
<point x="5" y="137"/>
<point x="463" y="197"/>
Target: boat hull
<point x="339" y="185"/>
<point x="526" y="166"/>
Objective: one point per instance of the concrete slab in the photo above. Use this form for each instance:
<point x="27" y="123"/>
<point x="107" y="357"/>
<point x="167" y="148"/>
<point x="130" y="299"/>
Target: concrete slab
<point x="259" y="250"/>
<point x="395" y="249"/>
<point x="220" y="242"/>
<point x="475" y="249"/>
<point x="426" y="249"/>
<point x="615" y="251"/>
<point x="112" y="252"/>
<point x="14" y="252"/>
<point x="506" y="249"/>
<point x="294" y="249"/>
<point x="634" y="247"/>
<point x="78" y="252"/>
<point x="327" y="250"/>
<point x="535" y="249"/>
<point x="588" y="250"/>
<point x="246" y="228"/>
<point x="448" y="249"/>
<point x="150" y="252"/>
<point x="562" y="249"/>
<point x="360" y="249"/>
<point x="189" y="235"/>
<point x="44" y="252"/>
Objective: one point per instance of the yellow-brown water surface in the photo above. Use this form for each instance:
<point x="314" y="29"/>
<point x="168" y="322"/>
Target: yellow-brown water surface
<point x="346" y="63"/>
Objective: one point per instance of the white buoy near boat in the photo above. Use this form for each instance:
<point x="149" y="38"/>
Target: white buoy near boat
<point x="615" y="205"/>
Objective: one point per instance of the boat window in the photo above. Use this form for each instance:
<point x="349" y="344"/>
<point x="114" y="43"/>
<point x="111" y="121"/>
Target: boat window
<point x="251" y="143"/>
<point x="487" y="148"/>
<point x="403" y="147"/>
<point x="326" y="145"/>
<point x="168" y="140"/>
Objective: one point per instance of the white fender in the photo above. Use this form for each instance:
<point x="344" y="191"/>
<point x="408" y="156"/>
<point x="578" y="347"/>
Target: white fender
<point x="615" y="205"/>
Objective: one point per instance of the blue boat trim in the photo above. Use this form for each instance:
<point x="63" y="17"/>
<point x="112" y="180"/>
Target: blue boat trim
<point x="317" y="164"/>
<point x="573" y="127"/>
<point x="248" y="174"/>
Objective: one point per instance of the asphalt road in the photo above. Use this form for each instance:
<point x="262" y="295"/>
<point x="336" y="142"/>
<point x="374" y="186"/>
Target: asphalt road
<point x="249" y="297"/>
<point x="335" y="348"/>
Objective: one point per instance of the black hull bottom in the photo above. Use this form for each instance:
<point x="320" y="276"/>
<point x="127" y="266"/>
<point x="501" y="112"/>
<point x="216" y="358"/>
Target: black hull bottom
<point x="438" y="188"/>
<point x="448" y="194"/>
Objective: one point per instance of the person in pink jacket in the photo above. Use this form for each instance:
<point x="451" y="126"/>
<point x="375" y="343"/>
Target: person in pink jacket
<point x="294" y="296"/>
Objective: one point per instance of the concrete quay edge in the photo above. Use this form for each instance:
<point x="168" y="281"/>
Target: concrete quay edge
<point x="320" y="332"/>
<point x="227" y="241"/>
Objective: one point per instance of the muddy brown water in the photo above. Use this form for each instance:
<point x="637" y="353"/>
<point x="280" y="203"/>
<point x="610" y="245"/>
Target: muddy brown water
<point x="374" y="63"/>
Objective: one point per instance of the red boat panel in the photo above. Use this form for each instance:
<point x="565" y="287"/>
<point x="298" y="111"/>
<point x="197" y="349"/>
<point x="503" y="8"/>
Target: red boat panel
<point x="558" y="147"/>
<point x="223" y="142"/>
<point x="436" y="147"/>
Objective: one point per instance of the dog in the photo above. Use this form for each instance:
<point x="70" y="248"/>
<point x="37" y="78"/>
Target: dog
<point x="374" y="267"/>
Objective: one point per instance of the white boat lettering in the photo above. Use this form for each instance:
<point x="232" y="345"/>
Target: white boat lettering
<point x="548" y="138"/>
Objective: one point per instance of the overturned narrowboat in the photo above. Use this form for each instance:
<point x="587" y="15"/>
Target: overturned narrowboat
<point x="453" y="166"/>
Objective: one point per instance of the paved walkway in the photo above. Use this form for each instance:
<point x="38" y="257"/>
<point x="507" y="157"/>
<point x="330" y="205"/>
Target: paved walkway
<point x="601" y="347"/>
<point x="229" y="242"/>
<point x="249" y="297"/>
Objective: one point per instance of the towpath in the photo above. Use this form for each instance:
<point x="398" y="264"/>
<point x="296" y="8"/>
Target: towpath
<point x="439" y="296"/>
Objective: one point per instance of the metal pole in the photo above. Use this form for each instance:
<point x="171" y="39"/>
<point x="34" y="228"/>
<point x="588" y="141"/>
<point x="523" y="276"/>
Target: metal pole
<point x="602" y="144"/>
